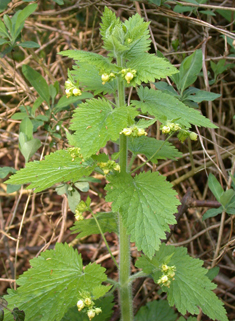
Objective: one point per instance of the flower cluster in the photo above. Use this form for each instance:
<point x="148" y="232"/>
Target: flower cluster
<point x="107" y="77"/>
<point x="134" y="131"/>
<point x="109" y="166"/>
<point x="168" y="273"/>
<point x="81" y="208"/>
<point x="74" y="153"/>
<point x="71" y="89"/>
<point x="128" y="74"/>
<point x="88" y="306"/>
<point x="170" y="127"/>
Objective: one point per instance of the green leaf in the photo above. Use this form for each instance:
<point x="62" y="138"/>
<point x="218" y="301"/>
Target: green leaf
<point x="212" y="213"/>
<point x="59" y="2"/>
<point x="28" y="148"/>
<point x="208" y="12"/>
<point x="109" y="22"/>
<point x="57" y="167"/>
<point x="65" y="102"/>
<point x="95" y="122"/>
<point x="29" y="44"/>
<point x="3" y="41"/>
<point x="37" y="81"/>
<point x="4" y="171"/>
<point x="12" y="188"/>
<point x="73" y="199"/>
<point x="149" y="68"/>
<point x="90" y="58"/>
<point x="18" y="315"/>
<point x="215" y="187"/>
<point x="82" y="186"/>
<point x="212" y="273"/>
<point x="3" y="5"/>
<point x="163" y="106"/>
<point x="8" y="23"/>
<point x="107" y="221"/>
<point x="148" y="146"/>
<point x="1" y="314"/>
<point x="156" y="310"/>
<point x="53" y="283"/>
<point x="26" y="127"/>
<point x="190" y="288"/>
<point x="202" y="95"/>
<point x="147" y="204"/>
<point x="164" y="87"/>
<point x="189" y="70"/>
<point x="106" y="304"/>
<point x="226" y="197"/>
<point x="21" y="17"/>
<point x="90" y="78"/>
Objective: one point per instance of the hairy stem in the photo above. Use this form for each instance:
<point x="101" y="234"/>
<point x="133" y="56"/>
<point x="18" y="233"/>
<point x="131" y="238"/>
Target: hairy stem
<point x="125" y="295"/>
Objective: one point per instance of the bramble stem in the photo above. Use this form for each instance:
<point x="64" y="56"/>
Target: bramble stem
<point x="125" y="295"/>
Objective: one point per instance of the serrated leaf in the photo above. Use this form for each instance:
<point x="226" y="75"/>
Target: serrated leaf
<point x="163" y="106"/>
<point x="215" y="187"/>
<point x="212" y="213"/>
<point x="107" y="221"/>
<point x="109" y="22"/>
<point x="147" y="204"/>
<point x="37" y="81"/>
<point x="191" y="288"/>
<point x="95" y="122"/>
<point x="149" y="68"/>
<point x="106" y="304"/>
<point x="90" y="58"/>
<point x="156" y="310"/>
<point x="149" y="146"/>
<point x="53" y="283"/>
<point x="57" y="167"/>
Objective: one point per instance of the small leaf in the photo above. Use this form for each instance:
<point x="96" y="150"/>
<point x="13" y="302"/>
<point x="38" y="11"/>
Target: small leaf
<point x="59" y="2"/>
<point x="82" y="186"/>
<point x="37" y="81"/>
<point x="12" y="188"/>
<point x="3" y="41"/>
<point x="107" y="221"/>
<point x="212" y="273"/>
<point x="4" y="171"/>
<point x="64" y="101"/>
<point x="26" y="127"/>
<point x="202" y="95"/>
<point x="215" y="187"/>
<point x="73" y="199"/>
<point x="29" y="148"/>
<point x="226" y="197"/>
<point x="3" y="5"/>
<point x="212" y="213"/>
<point x="156" y="310"/>
<point x="29" y="44"/>
<point x="21" y="17"/>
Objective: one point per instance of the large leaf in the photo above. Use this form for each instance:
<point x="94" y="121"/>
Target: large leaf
<point x="53" y="283"/>
<point x="191" y="288"/>
<point x="156" y="310"/>
<point x="95" y="122"/>
<point x="57" y="167"/>
<point x="149" y="68"/>
<point x="147" y="204"/>
<point x="215" y="186"/>
<point x="149" y="146"/>
<point x="107" y="222"/>
<point x="163" y="106"/>
<point x="37" y="81"/>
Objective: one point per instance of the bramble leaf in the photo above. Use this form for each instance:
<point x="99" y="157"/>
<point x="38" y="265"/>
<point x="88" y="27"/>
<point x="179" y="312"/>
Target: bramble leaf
<point x="163" y="106"/>
<point x="156" y="310"/>
<point x="191" y="288"/>
<point x="147" y="204"/>
<point x="107" y="221"/>
<point x="57" y="167"/>
<point x="148" y="146"/>
<point x="53" y="283"/>
<point x="95" y="122"/>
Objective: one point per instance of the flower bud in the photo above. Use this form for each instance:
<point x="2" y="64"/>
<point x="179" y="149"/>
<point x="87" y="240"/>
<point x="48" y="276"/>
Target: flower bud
<point x="91" y="314"/>
<point x="126" y="131"/>
<point x="166" y="129"/>
<point x="193" y="136"/>
<point x="141" y="132"/>
<point x="104" y="78"/>
<point x="129" y="76"/>
<point x="68" y="93"/>
<point x="80" y="305"/>
<point x="88" y="301"/>
<point x="177" y="127"/>
<point x="165" y="267"/>
<point x="77" y="92"/>
<point x="98" y="310"/>
<point x="164" y="279"/>
<point x="117" y="168"/>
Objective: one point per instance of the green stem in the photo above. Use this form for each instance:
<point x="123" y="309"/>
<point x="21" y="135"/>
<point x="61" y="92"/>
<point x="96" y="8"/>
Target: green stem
<point x="105" y="241"/>
<point x="125" y="295"/>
